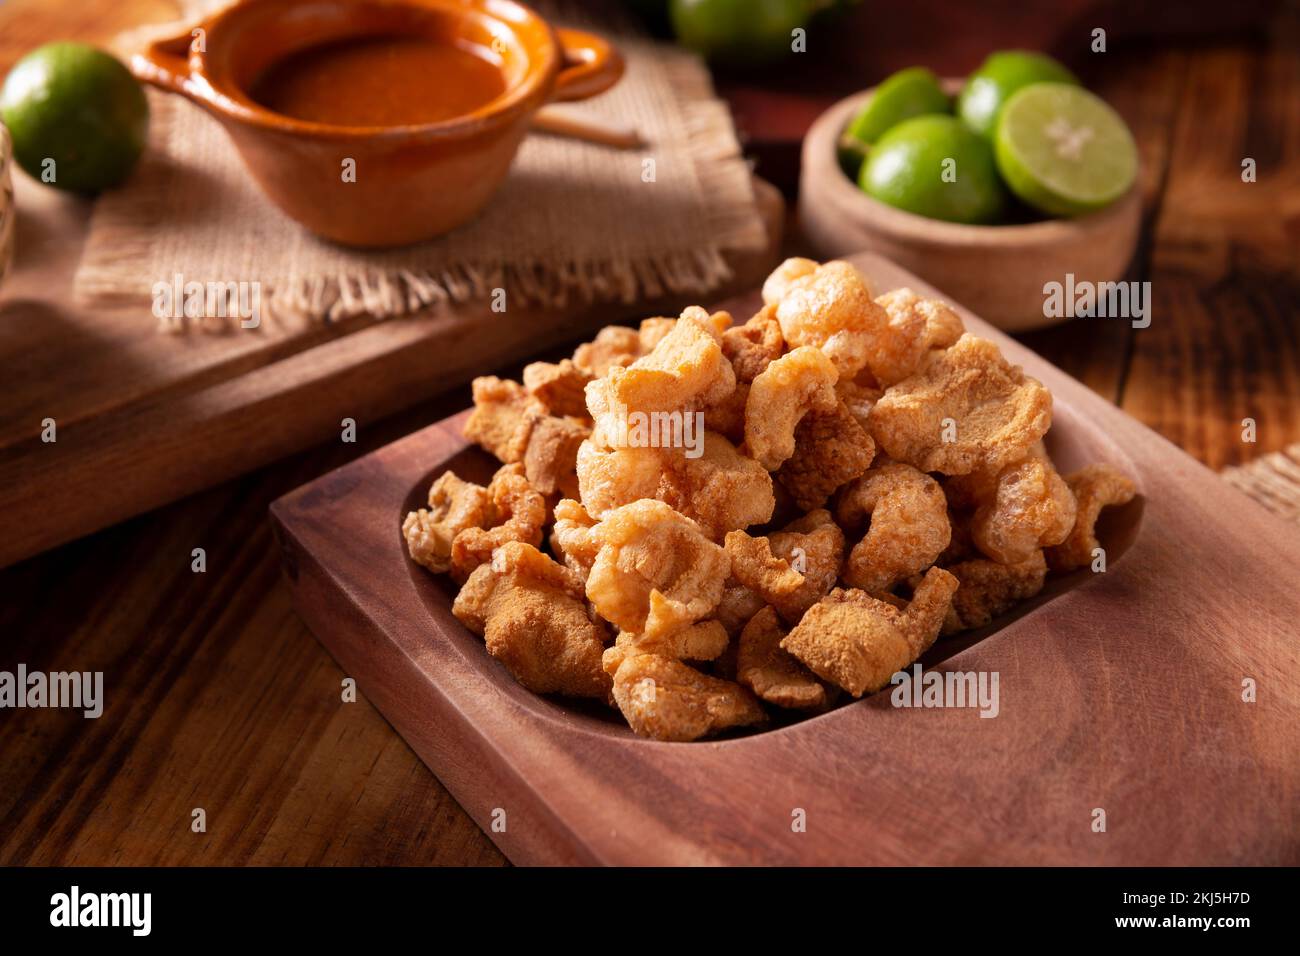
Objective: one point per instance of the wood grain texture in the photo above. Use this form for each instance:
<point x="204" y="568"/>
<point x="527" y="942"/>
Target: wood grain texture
<point x="1122" y="692"/>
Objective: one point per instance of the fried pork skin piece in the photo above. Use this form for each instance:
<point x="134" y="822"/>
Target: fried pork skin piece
<point x="859" y="397"/>
<point x="503" y="417"/>
<point x="704" y="641"/>
<point x="737" y="606"/>
<point x="518" y="514"/>
<point x="915" y="327"/>
<point x="1094" y="488"/>
<point x="721" y="490"/>
<point x="830" y="450"/>
<point x="997" y="412"/>
<point x="727" y="418"/>
<point x="797" y="383"/>
<point x="908" y="525"/>
<point x="551" y="457"/>
<point x="668" y="700"/>
<point x="752" y="347"/>
<point x="772" y="674"/>
<point x="573" y="538"/>
<point x="655" y="571"/>
<point x="454" y="505"/>
<point x="530" y="613"/>
<point x="615" y="346"/>
<point x="791" y="569"/>
<point x="857" y="642"/>
<point x="558" y="387"/>
<point x="988" y="589"/>
<point x="1025" y="507"/>
<point x="685" y="371"/>
<point x="831" y="309"/>
<point x="776" y="285"/>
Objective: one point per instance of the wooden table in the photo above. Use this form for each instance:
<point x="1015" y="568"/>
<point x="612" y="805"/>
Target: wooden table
<point x="219" y="698"/>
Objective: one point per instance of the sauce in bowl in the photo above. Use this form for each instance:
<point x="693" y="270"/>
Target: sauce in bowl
<point x="380" y="81"/>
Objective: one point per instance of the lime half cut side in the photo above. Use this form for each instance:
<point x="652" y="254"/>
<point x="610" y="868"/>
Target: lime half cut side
<point x="1063" y="150"/>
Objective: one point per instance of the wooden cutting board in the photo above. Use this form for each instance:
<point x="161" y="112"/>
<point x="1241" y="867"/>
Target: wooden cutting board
<point x="1120" y="692"/>
<point x="143" y="418"/>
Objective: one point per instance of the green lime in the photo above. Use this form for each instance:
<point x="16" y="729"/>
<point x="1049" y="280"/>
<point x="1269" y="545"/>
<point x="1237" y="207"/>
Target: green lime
<point x="741" y="31"/>
<point x="907" y="93"/>
<point x="78" y="117"/>
<point x="934" y="166"/>
<point x="1063" y="150"/>
<point x="1001" y="75"/>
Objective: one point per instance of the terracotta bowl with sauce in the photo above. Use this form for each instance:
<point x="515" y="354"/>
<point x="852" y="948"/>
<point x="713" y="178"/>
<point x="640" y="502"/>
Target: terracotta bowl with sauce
<point x="377" y="123"/>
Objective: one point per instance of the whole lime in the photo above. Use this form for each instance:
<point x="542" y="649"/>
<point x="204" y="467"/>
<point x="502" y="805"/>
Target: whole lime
<point x="740" y="31"/>
<point x="902" y="95"/>
<point x="1001" y="75"/>
<point x="935" y="166"/>
<point x="78" y="117"/>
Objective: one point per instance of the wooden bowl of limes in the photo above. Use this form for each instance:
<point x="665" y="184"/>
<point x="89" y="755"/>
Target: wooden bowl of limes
<point x="1003" y="272"/>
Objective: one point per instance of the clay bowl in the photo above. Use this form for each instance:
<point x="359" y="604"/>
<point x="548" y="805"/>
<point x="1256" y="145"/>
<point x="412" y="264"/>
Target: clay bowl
<point x="413" y="182"/>
<point x="998" y="272"/>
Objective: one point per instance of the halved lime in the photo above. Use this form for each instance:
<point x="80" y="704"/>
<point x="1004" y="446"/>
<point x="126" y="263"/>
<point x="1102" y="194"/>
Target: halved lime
<point x="1000" y="76"/>
<point x="1063" y="150"/>
<point x="934" y="166"/>
<point x="902" y="95"/>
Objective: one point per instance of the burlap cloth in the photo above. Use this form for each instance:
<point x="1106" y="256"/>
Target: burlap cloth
<point x="573" y="221"/>
<point x="1273" y="481"/>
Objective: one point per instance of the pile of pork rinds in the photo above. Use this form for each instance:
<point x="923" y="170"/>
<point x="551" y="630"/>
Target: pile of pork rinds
<point x="866" y="478"/>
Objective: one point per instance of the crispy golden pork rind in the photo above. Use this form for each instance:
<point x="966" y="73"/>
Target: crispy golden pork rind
<point x="859" y="397"/>
<point x="721" y="490"/>
<point x="1094" y="487"/>
<point x="988" y="589"/>
<point x="573" y="538"/>
<point x="797" y="383"/>
<point x="503" y="417"/>
<point x="655" y="571"/>
<point x="737" y="606"/>
<point x="915" y="327"/>
<point x="830" y="450"/>
<point x="791" y="569"/>
<point x="908" y="526"/>
<point x="857" y="642"/>
<point x="773" y="674"/>
<point x="668" y="700"/>
<point x="615" y="346"/>
<point x="1024" y="507"/>
<point x="727" y="418"/>
<point x="551" y="456"/>
<point x="518" y="514"/>
<point x="703" y="641"/>
<point x="454" y="505"/>
<point x="783" y="276"/>
<point x="530" y="612"/>
<point x="831" y="309"/>
<point x="558" y="386"/>
<point x="967" y="409"/>
<point x="752" y="347"/>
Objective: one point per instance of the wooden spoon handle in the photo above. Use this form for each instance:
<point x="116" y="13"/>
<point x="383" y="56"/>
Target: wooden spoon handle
<point x="563" y="122"/>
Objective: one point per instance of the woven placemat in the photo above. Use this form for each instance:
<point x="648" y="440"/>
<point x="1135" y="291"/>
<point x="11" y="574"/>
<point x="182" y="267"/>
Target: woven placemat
<point x="1273" y="481"/>
<point x="573" y="222"/>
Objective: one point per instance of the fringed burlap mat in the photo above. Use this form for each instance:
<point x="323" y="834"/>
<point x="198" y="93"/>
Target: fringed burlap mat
<point x="1273" y="481"/>
<point x="573" y="222"/>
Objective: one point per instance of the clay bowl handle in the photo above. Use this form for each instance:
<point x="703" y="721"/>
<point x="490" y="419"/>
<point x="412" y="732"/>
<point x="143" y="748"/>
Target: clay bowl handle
<point x="591" y="65"/>
<point x="165" y="64"/>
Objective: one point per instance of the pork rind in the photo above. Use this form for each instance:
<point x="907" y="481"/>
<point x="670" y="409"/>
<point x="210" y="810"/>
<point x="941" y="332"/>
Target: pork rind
<point x="858" y="642"/>
<point x="915" y="327"/>
<point x="994" y="413"/>
<point x="1094" y="487"/>
<point x="752" y="347"/>
<point x="721" y="490"/>
<point x="655" y="571"/>
<point x="530" y="612"/>
<point x="783" y="276"/>
<point x="737" y="606"/>
<point x="704" y="641"/>
<point x="1025" y="507"/>
<point x="773" y="674"/>
<point x="615" y="346"/>
<point x="831" y="309"/>
<point x="859" y="397"/>
<point x="551" y="456"/>
<point x="573" y="537"/>
<point x="454" y="505"/>
<point x="668" y="700"/>
<point x="518" y="513"/>
<point x="727" y="418"/>
<point x="791" y="569"/>
<point x="503" y="417"/>
<point x="558" y="386"/>
<point x="988" y="589"/>
<point x="830" y="449"/>
<point x="799" y="382"/>
<point x="908" y="526"/>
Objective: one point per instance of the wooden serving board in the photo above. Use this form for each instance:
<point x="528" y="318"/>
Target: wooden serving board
<point x="144" y="418"/>
<point x="1120" y="691"/>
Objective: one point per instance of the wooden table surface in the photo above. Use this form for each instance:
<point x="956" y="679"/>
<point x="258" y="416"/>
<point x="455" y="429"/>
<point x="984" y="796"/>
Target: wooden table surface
<point x="217" y="696"/>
